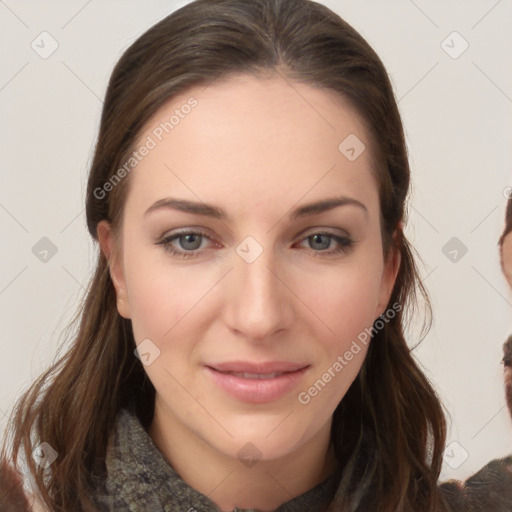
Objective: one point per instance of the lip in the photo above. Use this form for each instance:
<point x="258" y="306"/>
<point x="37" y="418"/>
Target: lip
<point x="249" y="367"/>
<point x="254" y="390"/>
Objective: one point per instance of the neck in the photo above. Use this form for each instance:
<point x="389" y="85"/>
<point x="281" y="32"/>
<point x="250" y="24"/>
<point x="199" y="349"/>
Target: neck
<point x="227" y="482"/>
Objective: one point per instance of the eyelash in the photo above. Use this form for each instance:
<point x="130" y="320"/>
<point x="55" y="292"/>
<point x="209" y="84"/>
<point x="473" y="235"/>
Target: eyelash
<point x="345" y="244"/>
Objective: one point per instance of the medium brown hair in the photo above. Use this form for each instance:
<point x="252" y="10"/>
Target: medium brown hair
<point x="389" y="430"/>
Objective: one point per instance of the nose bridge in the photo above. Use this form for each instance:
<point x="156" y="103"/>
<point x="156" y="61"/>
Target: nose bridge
<point x="260" y="304"/>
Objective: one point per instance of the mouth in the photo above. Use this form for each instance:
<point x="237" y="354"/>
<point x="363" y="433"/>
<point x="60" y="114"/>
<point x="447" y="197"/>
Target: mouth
<point x="259" y="385"/>
<point x="262" y="376"/>
<point x="264" y="368"/>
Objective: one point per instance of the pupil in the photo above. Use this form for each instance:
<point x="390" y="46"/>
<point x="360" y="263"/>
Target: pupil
<point x="317" y="238"/>
<point x="190" y="239"/>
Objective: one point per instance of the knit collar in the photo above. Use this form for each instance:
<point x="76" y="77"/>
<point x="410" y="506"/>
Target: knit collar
<point x="139" y="478"/>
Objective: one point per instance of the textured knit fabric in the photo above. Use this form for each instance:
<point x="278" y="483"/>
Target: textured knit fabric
<point x="139" y="479"/>
<point x="488" y="490"/>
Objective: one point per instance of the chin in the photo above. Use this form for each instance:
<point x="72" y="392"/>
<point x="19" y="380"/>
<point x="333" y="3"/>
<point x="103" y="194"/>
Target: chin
<point x="261" y="446"/>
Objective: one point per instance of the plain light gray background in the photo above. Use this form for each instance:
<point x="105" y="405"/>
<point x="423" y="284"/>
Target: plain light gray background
<point x="457" y="114"/>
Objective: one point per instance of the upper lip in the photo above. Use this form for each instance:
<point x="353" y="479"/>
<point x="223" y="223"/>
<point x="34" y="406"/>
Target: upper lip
<point x="257" y="368"/>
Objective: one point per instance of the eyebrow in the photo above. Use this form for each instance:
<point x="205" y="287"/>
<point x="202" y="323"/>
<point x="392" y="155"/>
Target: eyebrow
<point x="208" y="210"/>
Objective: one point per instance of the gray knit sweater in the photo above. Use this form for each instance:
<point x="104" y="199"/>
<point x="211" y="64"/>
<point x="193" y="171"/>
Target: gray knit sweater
<point x="139" y="479"/>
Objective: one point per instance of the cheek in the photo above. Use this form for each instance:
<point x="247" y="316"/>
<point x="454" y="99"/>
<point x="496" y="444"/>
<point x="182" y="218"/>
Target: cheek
<point x="348" y="307"/>
<point x="344" y="299"/>
<point x="508" y="387"/>
<point x="161" y="295"/>
<point x="165" y="308"/>
<point x="507" y="258"/>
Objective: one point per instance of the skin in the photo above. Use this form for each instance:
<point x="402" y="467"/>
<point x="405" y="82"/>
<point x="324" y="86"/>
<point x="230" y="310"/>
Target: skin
<point x="257" y="149"/>
<point x="506" y="257"/>
<point x="506" y="264"/>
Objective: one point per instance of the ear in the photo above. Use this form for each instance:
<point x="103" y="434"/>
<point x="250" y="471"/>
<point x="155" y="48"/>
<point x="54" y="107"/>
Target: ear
<point x="110" y="250"/>
<point x="391" y="268"/>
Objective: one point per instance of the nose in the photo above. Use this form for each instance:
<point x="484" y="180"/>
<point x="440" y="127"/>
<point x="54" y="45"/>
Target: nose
<point x="259" y="302"/>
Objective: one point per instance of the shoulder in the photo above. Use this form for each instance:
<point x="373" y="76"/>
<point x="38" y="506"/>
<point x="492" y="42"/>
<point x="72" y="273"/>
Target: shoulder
<point x="36" y="505"/>
<point x="14" y="496"/>
<point x="488" y="489"/>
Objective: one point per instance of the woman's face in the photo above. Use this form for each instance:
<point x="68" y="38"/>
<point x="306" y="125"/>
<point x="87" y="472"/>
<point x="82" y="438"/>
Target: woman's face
<point x="252" y="284"/>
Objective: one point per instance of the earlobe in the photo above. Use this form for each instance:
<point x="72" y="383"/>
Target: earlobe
<point x="109" y="249"/>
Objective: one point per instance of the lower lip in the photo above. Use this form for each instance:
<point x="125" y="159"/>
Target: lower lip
<point x="257" y="391"/>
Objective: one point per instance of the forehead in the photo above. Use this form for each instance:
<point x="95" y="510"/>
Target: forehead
<point x="259" y="139"/>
